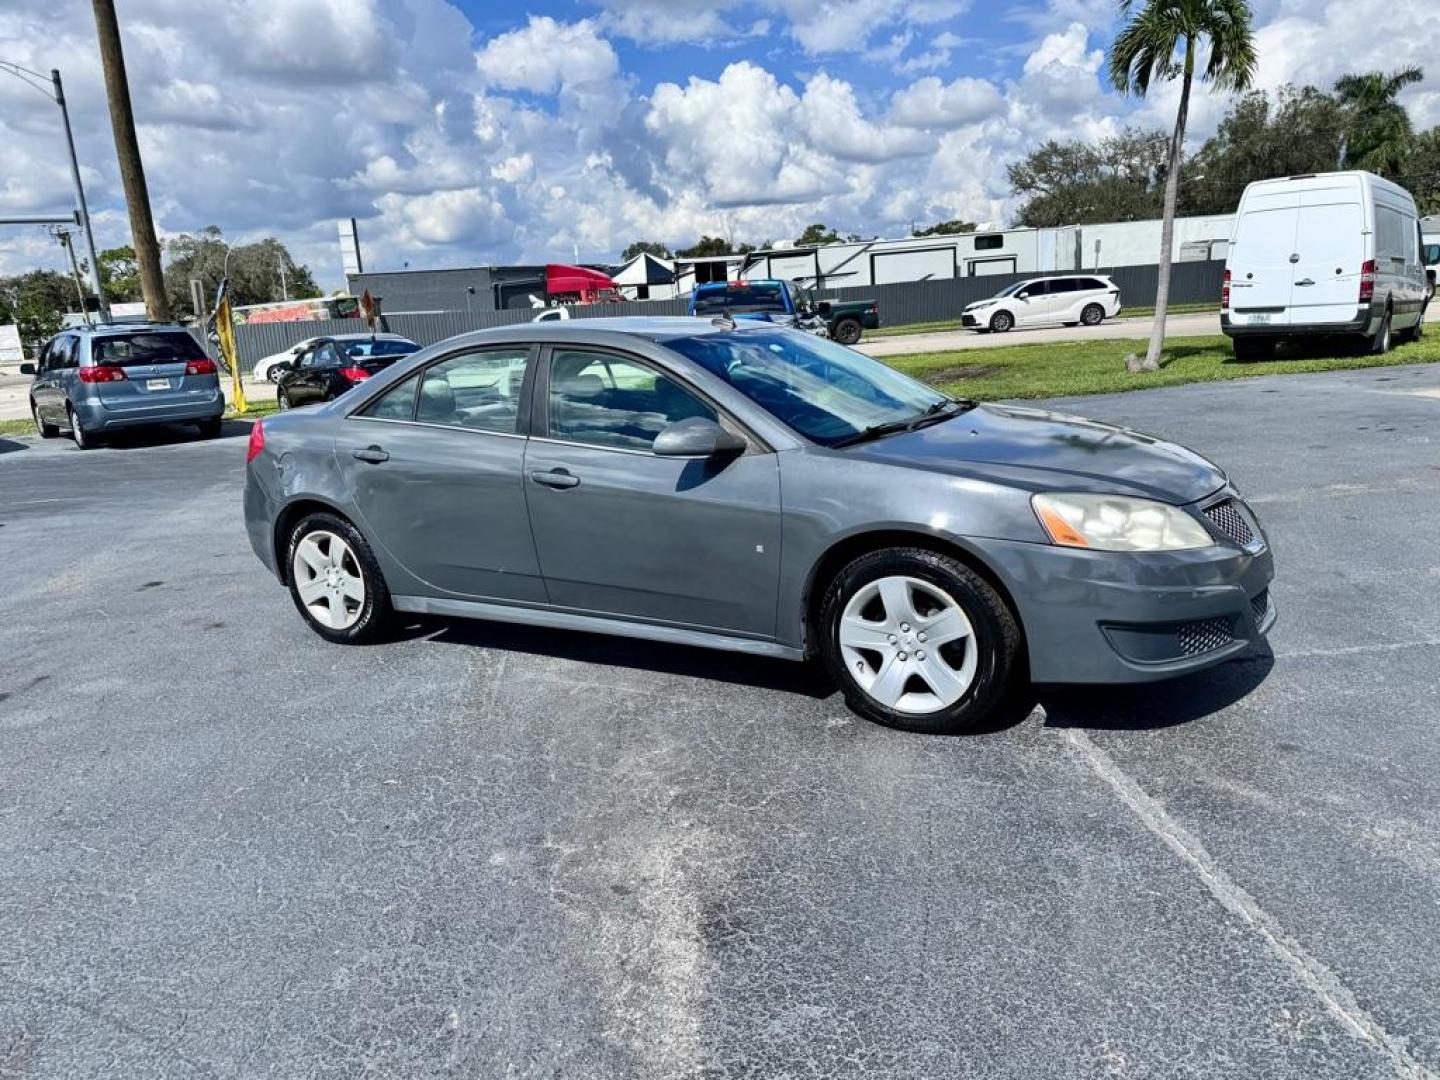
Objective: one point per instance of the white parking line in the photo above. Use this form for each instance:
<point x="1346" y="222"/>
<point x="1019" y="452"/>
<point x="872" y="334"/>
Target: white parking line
<point x="1315" y="976"/>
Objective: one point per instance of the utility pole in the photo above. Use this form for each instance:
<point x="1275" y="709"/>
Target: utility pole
<point x="132" y="171"/>
<point x="284" y="287"/>
<point x="62" y="234"/>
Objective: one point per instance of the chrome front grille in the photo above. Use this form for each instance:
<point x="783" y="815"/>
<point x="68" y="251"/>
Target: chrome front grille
<point x="1226" y="517"/>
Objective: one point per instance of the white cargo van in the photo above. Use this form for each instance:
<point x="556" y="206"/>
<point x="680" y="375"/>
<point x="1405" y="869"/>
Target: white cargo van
<point x="1323" y="255"/>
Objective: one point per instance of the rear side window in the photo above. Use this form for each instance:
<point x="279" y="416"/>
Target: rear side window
<point x="144" y="347"/>
<point x="1064" y="284"/>
<point x="740" y="298"/>
<point x="1088" y="284"/>
<point x="397" y="403"/>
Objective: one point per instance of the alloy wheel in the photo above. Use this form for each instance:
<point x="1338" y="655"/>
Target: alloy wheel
<point x="908" y="645"/>
<point x="328" y="578"/>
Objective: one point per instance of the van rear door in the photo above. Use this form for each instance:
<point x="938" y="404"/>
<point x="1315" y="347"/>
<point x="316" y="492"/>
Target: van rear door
<point x="1261" y="277"/>
<point x="1330" y="245"/>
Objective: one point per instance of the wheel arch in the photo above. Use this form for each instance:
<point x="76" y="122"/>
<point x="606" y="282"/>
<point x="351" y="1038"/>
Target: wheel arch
<point x="286" y="519"/>
<point x="849" y="548"/>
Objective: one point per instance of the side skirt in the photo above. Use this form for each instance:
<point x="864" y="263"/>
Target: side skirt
<point x="595" y="624"/>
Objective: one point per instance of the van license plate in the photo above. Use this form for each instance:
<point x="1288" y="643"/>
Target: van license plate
<point x="1259" y="320"/>
<point x="157" y="384"/>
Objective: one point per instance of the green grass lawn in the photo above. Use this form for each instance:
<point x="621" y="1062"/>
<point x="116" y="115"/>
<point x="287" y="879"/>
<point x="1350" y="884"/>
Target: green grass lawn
<point x="257" y="408"/>
<point x="954" y="324"/>
<point x="1098" y="367"/>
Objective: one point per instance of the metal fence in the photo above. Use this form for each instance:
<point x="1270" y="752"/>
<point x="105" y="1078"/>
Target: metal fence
<point x="901" y="304"/>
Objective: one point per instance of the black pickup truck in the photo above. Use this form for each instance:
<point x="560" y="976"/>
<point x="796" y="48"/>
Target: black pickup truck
<point x="766" y="297"/>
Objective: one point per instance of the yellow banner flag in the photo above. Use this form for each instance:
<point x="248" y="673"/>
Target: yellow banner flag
<point x="225" y="335"/>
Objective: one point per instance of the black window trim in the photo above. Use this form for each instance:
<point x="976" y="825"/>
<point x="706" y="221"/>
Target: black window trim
<point x="540" y="399"/>
<point x="523" y="414"/>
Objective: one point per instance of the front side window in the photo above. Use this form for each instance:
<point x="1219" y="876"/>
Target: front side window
<point x="822" y="390"/>
<point x="610" y="401"/>
<point x="475" y="390"/>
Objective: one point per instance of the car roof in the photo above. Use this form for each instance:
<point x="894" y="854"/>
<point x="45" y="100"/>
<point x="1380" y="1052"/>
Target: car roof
<point x="383" y="336"/>
<point x="102" y="329"/>
<point x="651" y="327"/>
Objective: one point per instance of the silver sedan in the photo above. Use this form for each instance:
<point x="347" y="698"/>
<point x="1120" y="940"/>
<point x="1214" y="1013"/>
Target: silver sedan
<point x="761" y="490"/>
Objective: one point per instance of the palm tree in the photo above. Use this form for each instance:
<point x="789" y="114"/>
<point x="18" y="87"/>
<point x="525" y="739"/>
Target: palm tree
<point x="1159" y="42"/>
<point x="1378" y="131"/>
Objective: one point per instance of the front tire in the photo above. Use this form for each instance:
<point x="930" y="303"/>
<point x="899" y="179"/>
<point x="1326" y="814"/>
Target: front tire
<point x="1001" y="321"/>
<point x="272" y="373"/>
<point x="335" y="581"/>
<point x="917" y="640"/>
<point x="847" y="332"/>
<point x="1092" y="315"/>
<point x="47" y="431"/>
<point x="282" y="401"/>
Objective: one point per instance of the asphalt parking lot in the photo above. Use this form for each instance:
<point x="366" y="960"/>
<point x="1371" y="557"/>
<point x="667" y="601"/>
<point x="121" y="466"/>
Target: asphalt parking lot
<point x="230" y="849"/>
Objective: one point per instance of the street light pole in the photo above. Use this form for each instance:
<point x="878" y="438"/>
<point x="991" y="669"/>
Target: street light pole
<point x="80" y="198"/>
<point x="56" y="93"/>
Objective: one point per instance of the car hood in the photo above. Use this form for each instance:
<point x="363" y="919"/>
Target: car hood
<point x="1045" y="451"/>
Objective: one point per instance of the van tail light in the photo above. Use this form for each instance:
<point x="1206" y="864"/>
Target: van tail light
<point x="101" y="373"/>
<point x="257" y="441"/>
<point x="203" y="366"/>
<point x="1225" y="292"/>
<point x="1367" y="281"/>
<point x="354" y="374"/>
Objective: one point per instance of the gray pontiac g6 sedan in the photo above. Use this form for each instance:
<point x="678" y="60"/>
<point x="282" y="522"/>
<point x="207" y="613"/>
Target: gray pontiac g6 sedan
<point x="757" y="489"/>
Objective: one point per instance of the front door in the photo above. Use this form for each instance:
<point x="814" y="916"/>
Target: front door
<point x="434" y="465"/>
<point x="622" y="531"/>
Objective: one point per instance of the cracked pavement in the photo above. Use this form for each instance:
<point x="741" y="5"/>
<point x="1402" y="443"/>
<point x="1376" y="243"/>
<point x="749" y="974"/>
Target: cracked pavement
<point x="229" y="849"/>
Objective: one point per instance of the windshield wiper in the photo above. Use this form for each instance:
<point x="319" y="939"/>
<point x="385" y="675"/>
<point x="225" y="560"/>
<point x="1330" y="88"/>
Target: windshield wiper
<point x="941" y="410"/>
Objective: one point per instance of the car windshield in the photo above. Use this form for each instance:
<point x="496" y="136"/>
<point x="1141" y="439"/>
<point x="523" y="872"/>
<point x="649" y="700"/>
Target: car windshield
<point x="738" y="298"/>
<point x="826" y="392"/>
<point x="145" y="347"/>
<point x="1010" y="290"/>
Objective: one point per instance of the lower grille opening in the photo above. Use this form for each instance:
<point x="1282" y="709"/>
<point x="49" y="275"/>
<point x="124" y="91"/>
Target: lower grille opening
<point x="1205" y="635"/>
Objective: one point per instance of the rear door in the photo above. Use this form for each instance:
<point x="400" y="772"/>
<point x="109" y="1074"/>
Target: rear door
<point x="624" y="532"/>
<point x="1329" y="251"/>
<point x="309" y="382"/>
<point x="436" y="475"/>
<point x="155" y="364"/>
<point x="1261" y="273"/>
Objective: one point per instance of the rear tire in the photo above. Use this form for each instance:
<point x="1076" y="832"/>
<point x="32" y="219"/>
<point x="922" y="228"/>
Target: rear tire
<point x="847" y="332"/>
<point x="1001" y="322"/>
<point x="47" y="431"/>
<point x="1250" y="349"/>
<point x="83" y="440"/>
<point x="209" y="429"/>
<point x="1092" y="315"/>
<point x="954" y="679"/>
<point x="1380" y="344"/>
<point x="325" y="558"/>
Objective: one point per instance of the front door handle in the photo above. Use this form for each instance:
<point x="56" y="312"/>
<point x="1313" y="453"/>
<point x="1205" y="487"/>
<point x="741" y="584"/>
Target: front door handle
<point x="372" y="454"/>
<point x="555" y="478"/>
<point x="1305" y="281"/>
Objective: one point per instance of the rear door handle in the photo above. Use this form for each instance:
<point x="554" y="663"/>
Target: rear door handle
<point x="555" y="478"/>
<point x="1305" y="281"/>
<point x="372" y="454"/>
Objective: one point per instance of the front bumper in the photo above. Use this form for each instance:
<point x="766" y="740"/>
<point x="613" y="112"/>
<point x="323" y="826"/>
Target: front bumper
<point x="969" y="320"/>
<point x="1110" y="617"/>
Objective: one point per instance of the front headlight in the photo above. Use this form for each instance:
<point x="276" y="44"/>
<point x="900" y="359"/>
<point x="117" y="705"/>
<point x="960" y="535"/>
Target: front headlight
<point x="1117" y="523"/>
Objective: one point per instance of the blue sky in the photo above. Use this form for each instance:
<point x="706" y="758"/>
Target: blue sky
<point x="472" y="132"/>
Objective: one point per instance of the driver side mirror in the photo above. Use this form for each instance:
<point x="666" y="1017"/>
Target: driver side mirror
<point x="696" y="437"/>
<point x="27" y="369"/>
<point x="1022" y="296"/>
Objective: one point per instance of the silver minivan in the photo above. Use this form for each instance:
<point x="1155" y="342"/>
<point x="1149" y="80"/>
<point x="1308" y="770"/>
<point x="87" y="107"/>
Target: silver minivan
<point x="92" y="381"/>
<point x="1328" y="254"/>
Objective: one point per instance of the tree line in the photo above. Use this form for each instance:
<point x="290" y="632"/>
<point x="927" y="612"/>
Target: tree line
<point x="814" y="236"/>
<point x="1358" y="124"/>
<point x="38" y="301"/>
